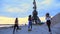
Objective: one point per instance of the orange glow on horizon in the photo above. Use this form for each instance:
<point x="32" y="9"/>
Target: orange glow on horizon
<point x="7" y="20"/>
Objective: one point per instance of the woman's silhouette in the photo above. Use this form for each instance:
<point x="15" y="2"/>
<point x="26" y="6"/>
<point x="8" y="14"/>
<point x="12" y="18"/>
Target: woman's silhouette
<point x="48" y="21"/>
<point x="30" y="23"/>
<point x="15" y="25"/>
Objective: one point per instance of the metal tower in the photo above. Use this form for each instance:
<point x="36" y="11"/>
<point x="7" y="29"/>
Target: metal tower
<point x="35" y="13"/>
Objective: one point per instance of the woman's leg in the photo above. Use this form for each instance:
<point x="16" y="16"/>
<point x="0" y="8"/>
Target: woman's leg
<point x="49" y="28"/>
<point x="48" y="24"/>
<point x="17" y="27"/>
<point x="31" y="26"/>
<point x="28" y="26"/>
<point x="14" y="30"/>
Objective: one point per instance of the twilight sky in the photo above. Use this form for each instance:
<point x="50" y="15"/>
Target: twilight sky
<point x="23" y="8"/>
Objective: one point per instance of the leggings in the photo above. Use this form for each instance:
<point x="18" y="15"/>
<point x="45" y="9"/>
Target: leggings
<point x="15" y="26"/>
<point x="48" y="24"/>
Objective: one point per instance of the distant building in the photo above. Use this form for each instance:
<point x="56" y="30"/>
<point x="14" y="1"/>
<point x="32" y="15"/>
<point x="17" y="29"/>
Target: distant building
<point x="56" y="19"/>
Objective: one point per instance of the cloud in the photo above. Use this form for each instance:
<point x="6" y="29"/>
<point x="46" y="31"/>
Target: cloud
<point x="23" y="8"/>
<point x="43" y="4"/>
<point x="15" y="6"/>
<point x="18" y="8"/>
<point x="13" y="9"/>
<point x="46" y="2"/>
